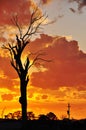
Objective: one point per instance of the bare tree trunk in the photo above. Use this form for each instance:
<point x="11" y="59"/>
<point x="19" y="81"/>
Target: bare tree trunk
<point x="16" y="49"/>
<point x="23" y="99"/>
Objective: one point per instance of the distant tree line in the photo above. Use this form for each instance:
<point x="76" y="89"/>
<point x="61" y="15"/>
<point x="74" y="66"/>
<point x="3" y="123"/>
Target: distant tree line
<point x="31" y="116"/>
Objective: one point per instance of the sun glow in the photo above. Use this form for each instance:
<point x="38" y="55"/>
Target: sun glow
<point x="51" y="85"/>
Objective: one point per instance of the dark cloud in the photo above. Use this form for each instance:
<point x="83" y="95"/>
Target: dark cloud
<point x="73" y="10"/>
<point x="45" y="1"/>
<point x="68" y="68"/>
<point x="44" y="96"/>
<point x="81" y="4"/>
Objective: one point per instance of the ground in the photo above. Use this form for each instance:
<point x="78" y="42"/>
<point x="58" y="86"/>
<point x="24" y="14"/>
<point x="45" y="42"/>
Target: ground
<point x="43" y="125"/>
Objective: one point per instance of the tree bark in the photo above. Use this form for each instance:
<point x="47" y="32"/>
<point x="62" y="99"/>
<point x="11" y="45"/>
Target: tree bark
<point x="23" y="98"/>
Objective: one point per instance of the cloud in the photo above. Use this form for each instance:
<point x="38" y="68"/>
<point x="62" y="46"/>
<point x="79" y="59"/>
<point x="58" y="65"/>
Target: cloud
<point x="81" y="4"/>
<point x="73" y="10"/>
<point x="7" y="68"/>
<point x="40" y="43"/>
<point x="7" y="74"/>
<point x="45" y="1"/>
<point x="30" y="95"/>
<point x="44" y="96"/>
<point x="54" y="20"/>
<point x="67" y="69"/>
<point x="22" y="8"/>
<point x="8" y="8"/>
<point x="6" y="97"/>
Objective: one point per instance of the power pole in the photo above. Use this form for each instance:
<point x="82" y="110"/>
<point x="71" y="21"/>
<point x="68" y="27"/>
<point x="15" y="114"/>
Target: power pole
<point x="68" y="111"/>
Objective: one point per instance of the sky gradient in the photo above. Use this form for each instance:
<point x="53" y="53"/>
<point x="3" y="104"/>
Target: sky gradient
<point x="53" y="85"/>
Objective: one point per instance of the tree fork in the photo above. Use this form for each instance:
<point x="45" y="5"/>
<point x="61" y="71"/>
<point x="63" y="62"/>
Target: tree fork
<point x="16" y="49"/>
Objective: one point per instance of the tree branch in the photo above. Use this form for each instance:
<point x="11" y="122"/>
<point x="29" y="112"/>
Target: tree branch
<point x="38" y="58"/>
<point x="22" y="40"/>
<point x="16" y="23"/>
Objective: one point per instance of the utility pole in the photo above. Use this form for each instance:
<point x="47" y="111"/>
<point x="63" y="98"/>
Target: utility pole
<point x="68" y="111"/>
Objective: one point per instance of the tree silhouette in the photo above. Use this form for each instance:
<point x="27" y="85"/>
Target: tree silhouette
<point x="16" y="50"/>
<point x="51" y="116"/>
<point x="17" y="115"/>
<point x="43" y="117"/>
<point x="30" y="115"/>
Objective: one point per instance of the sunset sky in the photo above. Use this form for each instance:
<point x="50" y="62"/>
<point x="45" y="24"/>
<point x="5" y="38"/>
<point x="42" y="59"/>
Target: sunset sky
<point x="62" y="38"/>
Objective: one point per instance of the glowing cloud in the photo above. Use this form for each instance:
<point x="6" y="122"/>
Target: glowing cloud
<point x="7" y="97"/>
<point x="67" y="69"/>
<point x="10" y="8"/>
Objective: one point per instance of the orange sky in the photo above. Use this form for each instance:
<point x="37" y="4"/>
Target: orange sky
<point x="52" y="85"/>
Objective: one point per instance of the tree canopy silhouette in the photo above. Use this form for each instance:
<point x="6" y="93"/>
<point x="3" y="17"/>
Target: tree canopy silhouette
<point x="16" y="49"/>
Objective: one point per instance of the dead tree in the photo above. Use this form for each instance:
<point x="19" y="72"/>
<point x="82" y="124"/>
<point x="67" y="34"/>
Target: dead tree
<point x="16" y="50"/>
